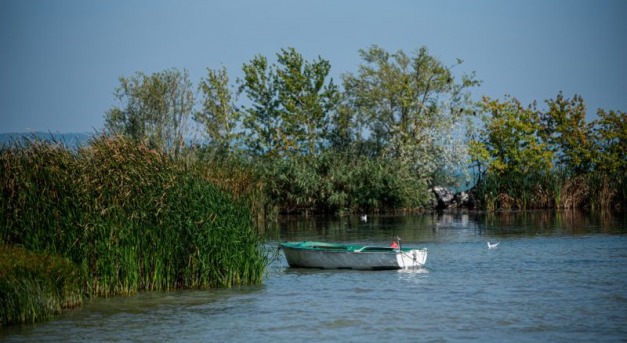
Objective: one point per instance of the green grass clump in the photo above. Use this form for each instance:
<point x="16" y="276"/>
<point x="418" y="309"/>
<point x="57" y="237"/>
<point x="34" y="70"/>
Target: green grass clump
<point x="35" y="287"/>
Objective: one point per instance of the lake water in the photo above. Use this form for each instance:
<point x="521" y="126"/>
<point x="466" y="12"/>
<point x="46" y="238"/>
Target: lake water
<point x="555" y="277"/>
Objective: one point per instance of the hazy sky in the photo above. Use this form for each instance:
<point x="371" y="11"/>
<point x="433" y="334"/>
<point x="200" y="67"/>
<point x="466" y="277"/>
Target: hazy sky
<point x="60" y="60"/>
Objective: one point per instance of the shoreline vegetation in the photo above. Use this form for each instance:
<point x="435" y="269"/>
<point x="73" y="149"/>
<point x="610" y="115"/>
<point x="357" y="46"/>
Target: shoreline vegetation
<point x="140" y="208"/>
<point x="113" y="218"/>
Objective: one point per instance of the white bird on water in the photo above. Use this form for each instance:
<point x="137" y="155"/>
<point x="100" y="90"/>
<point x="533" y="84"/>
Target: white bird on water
<point x="492" y="245"/>
<point x="364" y="218"/>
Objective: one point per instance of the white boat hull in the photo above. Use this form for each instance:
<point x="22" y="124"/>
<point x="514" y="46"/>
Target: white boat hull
<point x="391" y="259"/>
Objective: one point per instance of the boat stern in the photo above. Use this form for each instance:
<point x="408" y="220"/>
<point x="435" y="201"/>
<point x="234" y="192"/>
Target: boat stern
<point x="414" y="258"/>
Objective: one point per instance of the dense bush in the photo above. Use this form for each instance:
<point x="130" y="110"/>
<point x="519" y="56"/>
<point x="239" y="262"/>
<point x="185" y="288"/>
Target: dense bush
<point x="339" y="183"/>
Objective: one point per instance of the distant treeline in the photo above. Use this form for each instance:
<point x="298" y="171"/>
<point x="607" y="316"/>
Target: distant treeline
<point x="399" y="125"/>
<point x="394" y="128"/>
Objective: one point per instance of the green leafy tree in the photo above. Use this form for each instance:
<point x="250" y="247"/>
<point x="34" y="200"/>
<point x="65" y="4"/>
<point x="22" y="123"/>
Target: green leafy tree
<point x="511" y="139"/>
<point x="566" y="131"/>
<point x="611" y="142"/>
<point x="306" y="97"/>
<point x="410" y="109"/>
<point x="262" y="118"/>
<point x="219" y="115"/>
<point x="342" y="136"/>
<point x="516" y="159"/>
<point x="153" y="109"/>
<point x="291" y="103"/>
<point x="611" y="162"/>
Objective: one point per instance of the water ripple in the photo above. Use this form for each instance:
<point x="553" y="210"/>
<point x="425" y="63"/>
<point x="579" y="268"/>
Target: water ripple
<point x="531" y="288"/>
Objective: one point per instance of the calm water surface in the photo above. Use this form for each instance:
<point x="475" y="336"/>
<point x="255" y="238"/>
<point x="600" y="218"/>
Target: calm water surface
<point x="555" y="277"/>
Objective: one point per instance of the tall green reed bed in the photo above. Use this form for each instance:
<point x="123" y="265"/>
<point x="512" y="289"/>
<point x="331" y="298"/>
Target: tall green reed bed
<point x="233" y="174"/>
<point x="594" y="190"/>
<point x="129" y="218"/>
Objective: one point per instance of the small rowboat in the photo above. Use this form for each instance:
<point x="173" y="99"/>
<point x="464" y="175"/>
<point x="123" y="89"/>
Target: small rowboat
<point x="352" y="256"/>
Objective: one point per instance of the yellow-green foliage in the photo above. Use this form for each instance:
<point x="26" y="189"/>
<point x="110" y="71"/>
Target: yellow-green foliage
<point x="529" y="159"/>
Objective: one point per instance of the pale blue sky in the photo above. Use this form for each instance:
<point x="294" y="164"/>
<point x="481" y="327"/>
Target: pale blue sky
<point x="60" y="60"/>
